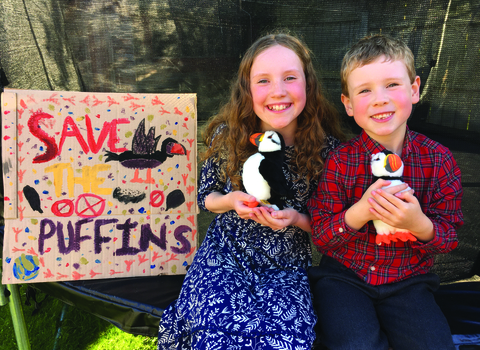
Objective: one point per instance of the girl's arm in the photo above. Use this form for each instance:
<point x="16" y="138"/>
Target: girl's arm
<point x="217" y="202"/>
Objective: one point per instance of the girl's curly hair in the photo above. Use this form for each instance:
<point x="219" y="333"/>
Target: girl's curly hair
<point x="238" y="121"/>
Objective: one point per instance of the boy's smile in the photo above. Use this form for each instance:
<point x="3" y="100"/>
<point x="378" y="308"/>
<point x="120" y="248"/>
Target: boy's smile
<point x="380" y="99"/>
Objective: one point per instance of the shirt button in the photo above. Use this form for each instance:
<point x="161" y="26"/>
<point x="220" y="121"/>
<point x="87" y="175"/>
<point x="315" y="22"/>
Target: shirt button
<point x="372" y="268"/>
<point x="340" y="229"/>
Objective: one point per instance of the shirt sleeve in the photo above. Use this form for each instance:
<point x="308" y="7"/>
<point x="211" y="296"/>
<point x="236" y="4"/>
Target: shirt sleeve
<point x="327" y="208"/>
<point x="445" y="208"/>
<point x="209" y="181"/>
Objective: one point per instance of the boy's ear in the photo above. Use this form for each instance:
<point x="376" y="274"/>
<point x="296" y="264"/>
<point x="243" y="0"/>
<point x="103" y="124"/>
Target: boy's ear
<point x="348" y="105"/>
<point x="416" y="90"/>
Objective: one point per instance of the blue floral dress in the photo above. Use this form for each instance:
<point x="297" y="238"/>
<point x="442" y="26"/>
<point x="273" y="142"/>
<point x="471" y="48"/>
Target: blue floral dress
<point x="247" y="287"/>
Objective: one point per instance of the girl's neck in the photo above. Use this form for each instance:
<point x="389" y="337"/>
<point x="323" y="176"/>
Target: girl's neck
<point x="287" y="132"/>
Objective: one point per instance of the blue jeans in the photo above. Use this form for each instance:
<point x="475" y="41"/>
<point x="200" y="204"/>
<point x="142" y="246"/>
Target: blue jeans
<point x="355" y="315"/>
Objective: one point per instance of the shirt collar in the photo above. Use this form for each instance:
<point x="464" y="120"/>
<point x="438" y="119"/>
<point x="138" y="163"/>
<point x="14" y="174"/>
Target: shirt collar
<point x="372" y="147"/>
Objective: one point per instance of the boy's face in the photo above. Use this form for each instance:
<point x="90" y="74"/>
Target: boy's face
<point x="380" y="99"/>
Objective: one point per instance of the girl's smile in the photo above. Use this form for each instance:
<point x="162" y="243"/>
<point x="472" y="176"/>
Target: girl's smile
<point x="279" y="107"/>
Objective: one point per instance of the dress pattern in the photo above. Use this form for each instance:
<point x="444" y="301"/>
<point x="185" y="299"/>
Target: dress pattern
<point x="247" y="287"/>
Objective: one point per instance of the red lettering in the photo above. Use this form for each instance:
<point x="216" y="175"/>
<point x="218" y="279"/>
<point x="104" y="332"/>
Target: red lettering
<point x="75" y="131"/>
<point x="51" y="146"/>
<point x="113" y="140"/>
<point x="96" y="146"/>
<point x="70" y="129"/>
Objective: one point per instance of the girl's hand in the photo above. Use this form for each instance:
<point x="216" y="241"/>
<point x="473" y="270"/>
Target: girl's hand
<point x="219" y="203"/>
<point x="239" y="201"/>
<point x="276" y="220"/>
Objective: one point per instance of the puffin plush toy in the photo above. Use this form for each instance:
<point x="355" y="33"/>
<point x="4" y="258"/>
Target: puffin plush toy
<point x="389" y="166"/>
<point x="262" y="174"/>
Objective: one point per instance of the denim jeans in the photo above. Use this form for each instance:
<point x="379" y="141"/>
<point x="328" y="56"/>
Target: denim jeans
<point x="355" y="315"/>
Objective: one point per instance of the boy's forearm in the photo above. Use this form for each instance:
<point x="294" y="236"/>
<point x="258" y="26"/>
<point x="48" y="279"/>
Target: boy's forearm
<point x="355" y="218"/>
<point x="425" y="230"/>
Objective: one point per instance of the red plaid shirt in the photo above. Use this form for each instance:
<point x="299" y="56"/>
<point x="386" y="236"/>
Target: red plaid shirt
<point x="429" y="168"/>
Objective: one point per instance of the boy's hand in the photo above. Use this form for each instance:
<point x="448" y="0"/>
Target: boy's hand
<point x="359" y="213"/>
<point x="401" y="210"/>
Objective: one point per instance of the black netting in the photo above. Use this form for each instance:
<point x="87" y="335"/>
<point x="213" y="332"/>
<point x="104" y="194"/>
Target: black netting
<point x="196" y="45"/>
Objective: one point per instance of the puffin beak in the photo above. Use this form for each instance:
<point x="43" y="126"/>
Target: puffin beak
<point x="392" y="163"/>
<point x="176" y="148"/>
<point x="256" y="138"/>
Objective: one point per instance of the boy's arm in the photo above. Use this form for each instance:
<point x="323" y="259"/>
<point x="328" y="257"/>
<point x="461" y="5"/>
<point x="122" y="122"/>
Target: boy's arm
<point x="328" y="205"/>
<point x="444" y="210"/>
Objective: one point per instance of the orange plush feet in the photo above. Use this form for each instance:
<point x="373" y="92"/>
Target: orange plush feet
<point x="251" y="204"/>
<point x="400" y="235"/>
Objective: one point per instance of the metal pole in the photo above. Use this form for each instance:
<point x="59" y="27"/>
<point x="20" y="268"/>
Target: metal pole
<point x="3" y="296"/>
<point x="16" y="312"/>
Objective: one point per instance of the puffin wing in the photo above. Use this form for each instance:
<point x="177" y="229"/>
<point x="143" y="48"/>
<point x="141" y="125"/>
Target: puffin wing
<point x="273" y="173"/>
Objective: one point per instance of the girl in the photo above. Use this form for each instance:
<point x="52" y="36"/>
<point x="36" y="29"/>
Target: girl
<point x="247" y="286"/>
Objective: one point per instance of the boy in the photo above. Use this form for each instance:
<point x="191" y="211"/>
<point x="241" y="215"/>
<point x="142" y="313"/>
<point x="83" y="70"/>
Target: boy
<point x="370" y="296"/>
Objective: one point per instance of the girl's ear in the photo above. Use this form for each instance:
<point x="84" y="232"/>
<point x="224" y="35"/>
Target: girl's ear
<point x="416" y="90"/>
<point x="348" y="105"/>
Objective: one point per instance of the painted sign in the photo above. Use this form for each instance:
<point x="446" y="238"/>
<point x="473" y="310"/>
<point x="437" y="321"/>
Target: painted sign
<point x="97" y="185"/>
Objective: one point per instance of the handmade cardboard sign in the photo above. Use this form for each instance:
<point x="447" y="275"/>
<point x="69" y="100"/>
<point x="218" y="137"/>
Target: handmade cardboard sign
<point x="97" y="185"/>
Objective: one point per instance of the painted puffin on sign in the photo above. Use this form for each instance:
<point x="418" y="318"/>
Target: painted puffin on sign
<point x="144" y="153"/>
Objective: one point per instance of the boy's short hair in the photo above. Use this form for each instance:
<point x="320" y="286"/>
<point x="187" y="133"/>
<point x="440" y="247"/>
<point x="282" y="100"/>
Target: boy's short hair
<point x="369" y="48"/>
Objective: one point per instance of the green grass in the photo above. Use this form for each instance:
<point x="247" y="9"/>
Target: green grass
<point x="79" y="329"/>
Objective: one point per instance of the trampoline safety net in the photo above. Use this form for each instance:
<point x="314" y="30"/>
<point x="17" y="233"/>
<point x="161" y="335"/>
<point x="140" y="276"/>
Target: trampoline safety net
<point x="184" y="46"/>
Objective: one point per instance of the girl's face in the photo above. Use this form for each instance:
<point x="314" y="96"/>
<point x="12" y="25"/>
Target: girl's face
<point x="278" y="88"/>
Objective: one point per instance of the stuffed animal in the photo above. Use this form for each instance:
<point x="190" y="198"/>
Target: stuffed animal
<point x="262" y="174"/>
<point x="389" y="166"/>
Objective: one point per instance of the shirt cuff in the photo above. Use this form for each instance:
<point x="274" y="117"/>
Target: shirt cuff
<point x="340" y="227"/>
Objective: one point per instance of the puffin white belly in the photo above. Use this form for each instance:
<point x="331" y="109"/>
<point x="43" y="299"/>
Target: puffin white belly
<point x="253" y="181"/>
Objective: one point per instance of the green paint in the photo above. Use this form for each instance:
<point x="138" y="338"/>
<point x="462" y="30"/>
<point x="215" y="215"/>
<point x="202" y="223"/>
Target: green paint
<point x="27" y="264"/>
<point x="83" y="261"/>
